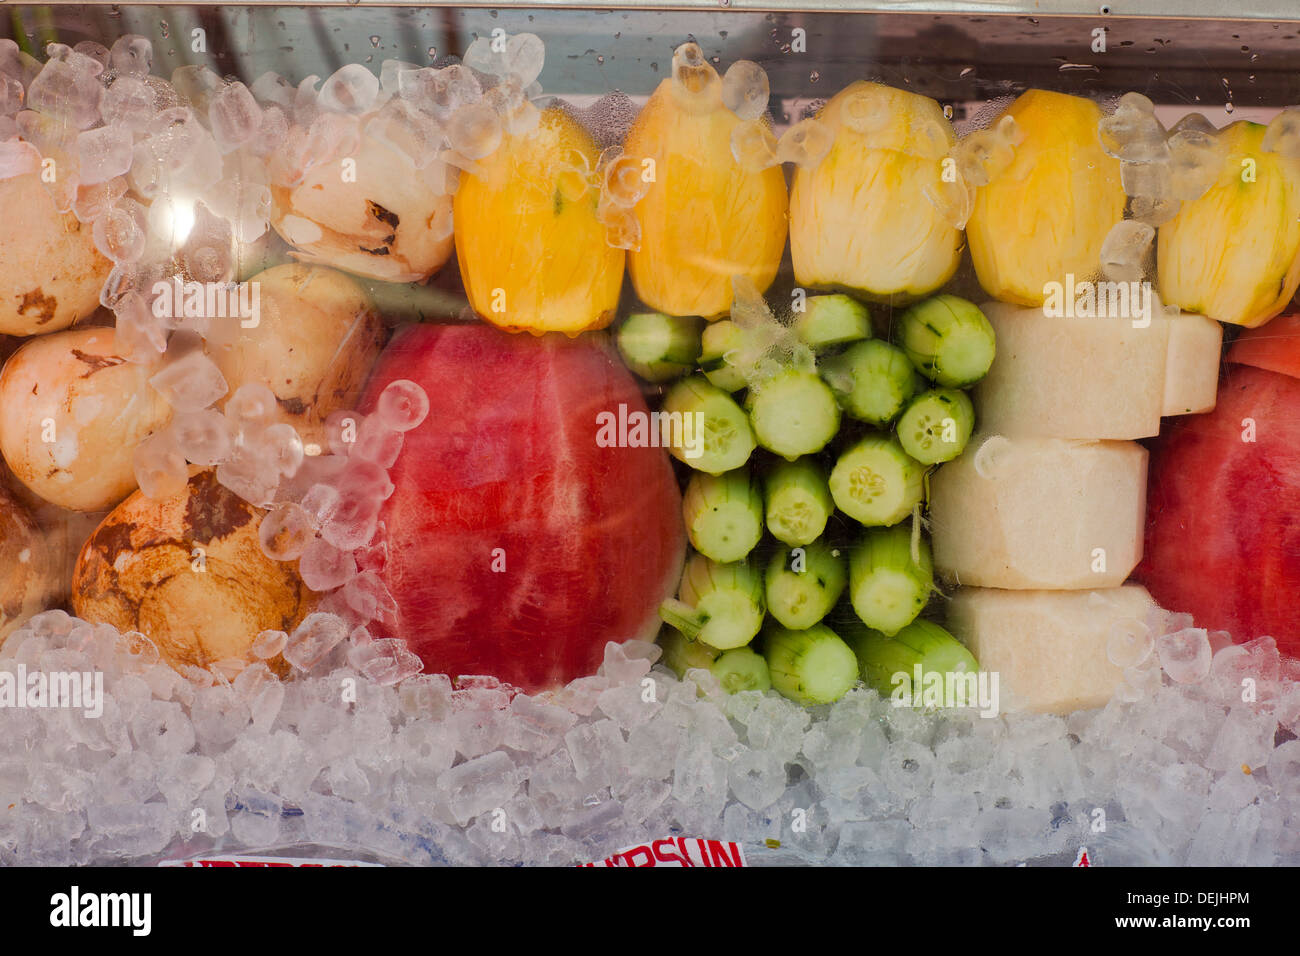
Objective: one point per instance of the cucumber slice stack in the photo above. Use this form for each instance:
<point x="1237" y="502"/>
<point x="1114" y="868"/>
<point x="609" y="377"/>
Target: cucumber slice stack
<point x="803" y="495"/>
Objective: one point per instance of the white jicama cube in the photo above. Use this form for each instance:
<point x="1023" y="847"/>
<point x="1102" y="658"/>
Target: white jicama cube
<point x="1050" y="649"/>
<point x="1192" y="366"/>
<point x="1039" y="513"/>
<point x="1078" y="377"/>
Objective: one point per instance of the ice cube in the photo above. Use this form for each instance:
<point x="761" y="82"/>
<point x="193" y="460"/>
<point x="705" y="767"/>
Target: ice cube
<point x="479" y="785"/>
<point x="754" y="145"/>
<point x="281" y="447"/>
<point x="387" y="661"/>
<point x="1154" y="212"/>
<point x="757" y="779"/>
<point x="1130" y="641"/>
<point x="269" y="643"/>
<point x="1149" y="180"/>
<point x="252" y="403"/>
<point x="69" y="90"/>
<point x="129" y="103"/>
<point x="285" y="532"/>
<point x="324" y="567"/>
<point x="745" y="90"/>
<point x="313" y="639"/>
<point x="377" y="442"/>
<point x="1132" y="133"/>
<point x="353" y="520"/>
<point x="350" y="89"/>
<point x="160" y="468"/>
<point x="1196" y="161"/>
<point x="202" y="436"/>
<point x="191" y="383"/>
<point x="235" y="116"/>
<point x="525" y="55"/>
<point x="1283" y="134"/>
<point x="104" y="153"/>
<point x="536" y="727"/>
<point x="1124" y="251"/>
<point x="402" y="405"/>
<point x="598" y="751"/>
<point x="250" y="478"/>
<point x="805" y="144"/>
<point x="131" y="54"/>
<point x="406" y="130"/>
<point x="1185" y="655"/>
<point x="695" y="82"/>
<point x="119" y="234"/>
<point x="474" y="130"/>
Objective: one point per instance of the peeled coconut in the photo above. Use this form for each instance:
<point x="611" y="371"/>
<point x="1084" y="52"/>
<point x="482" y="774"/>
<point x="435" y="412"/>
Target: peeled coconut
<point x="28" y="578"/>
<point x="384" y="219"/>
<point x="188" y="572"/>
<point x="316" y="339"/>
<point x="74" y="411"/>
<point x="50" y="271"/>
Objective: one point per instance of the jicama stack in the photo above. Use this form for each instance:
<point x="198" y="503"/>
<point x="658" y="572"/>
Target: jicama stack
<point x="1043" y="523"/>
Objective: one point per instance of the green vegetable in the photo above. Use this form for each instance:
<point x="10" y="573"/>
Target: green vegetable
<point x="875" y="482"/>
<point x="793" y="413"/>
<point x="871" y="380"/>
<point x="948" y="339"/>
<point x="660" y="347"/>
<point x="681" y="654"/>
<point x="831" y="320"/>
<point x="728" y="439"/>
<point x="889" y="663"/>
<point x="719" y="339"/>
<point x="803" y="584"/>
<point x="741" y="669"/>
<point x="719" y="604"/>
<point x="812" y="666"/>
<point x="723" y="514"/>
<point x="798" y="501"/>
<point x="936" y="425"/>
<point x="887" y="585"/>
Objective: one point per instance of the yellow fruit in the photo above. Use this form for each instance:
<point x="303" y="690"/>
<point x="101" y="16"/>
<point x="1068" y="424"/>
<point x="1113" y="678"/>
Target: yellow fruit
<point x="704" y="218"/>
<point x="29" y="578"/>
<point x="860" y="220"/>
<point x="1234" y="254"/>
<point x="1048" y="212"/>
<point x="533" y="253"/>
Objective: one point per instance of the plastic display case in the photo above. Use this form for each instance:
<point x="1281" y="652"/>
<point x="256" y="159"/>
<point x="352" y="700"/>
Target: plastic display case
<point x="653" y="434"/>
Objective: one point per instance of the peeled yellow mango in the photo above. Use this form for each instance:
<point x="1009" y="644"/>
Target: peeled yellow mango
<point x="860" y="220"/>
<point x="1045" y="215"/>
<point x="1234" y="253"/>
<point x="704" y="218"/>
<point x="533" y="252"/>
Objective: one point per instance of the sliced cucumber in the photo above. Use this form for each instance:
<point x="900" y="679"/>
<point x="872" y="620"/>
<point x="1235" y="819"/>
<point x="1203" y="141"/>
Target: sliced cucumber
<point x="798" y="501"/>
<point x="888" y="588"/>
<point x="719" y="339"/>
<point x="936" y="425"/>
<point x="831" y="320"/>
<point x="723" y="514"/>
<point x="872" y="380"/>
<point x="793" y="413"/>
<point x="660" y="347"/>
<point x="741" y="669"/>
<point x="875" y="482"/>
<point x="682" y="654"/>
<point x="728" y="439"/>
<point x="812" y="666"/>
<point x="719" y="604"/>
<point x="803" y="584"/>
<point x="889" y="663"/>
<point x="948" y="339"/>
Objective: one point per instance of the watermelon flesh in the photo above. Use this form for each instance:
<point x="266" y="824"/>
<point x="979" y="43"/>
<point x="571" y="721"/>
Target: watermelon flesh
<point x="1223" y="511"/>
<point x="517" y="546"/>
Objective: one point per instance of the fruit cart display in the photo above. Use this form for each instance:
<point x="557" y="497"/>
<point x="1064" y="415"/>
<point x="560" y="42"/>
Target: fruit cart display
<point x="544" y="436"/>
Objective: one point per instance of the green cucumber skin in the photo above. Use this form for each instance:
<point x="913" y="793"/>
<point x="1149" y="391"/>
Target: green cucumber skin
<point x="717" y="340"/>
<point x="800" y="599"/>
<point x="800" y="484"/>
<point x="940" y="403"/>
<point x="922" y="643"/>
<point x="698" y="394"/>
<point x="741" y="669"/>
<point x="884" y="555"/>
<point x="948" y="339"/>
<point x="812" y="666"/>
<point x="659" y="347"/>
<point x="872" y="381"/>
<point x="705" y="498"/>
<point x="777" y="428"/>
<point x="883" y="457"/>
<point x="832" y="320"/>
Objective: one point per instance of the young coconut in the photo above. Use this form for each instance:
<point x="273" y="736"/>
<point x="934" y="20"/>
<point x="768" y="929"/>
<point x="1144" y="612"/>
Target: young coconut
<point x="74" y="412"/>
<point x="316" y="338"/>
<point x="28" y="579"/>
<point x="188" y="572"/>
<point x="50" y="270"/>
